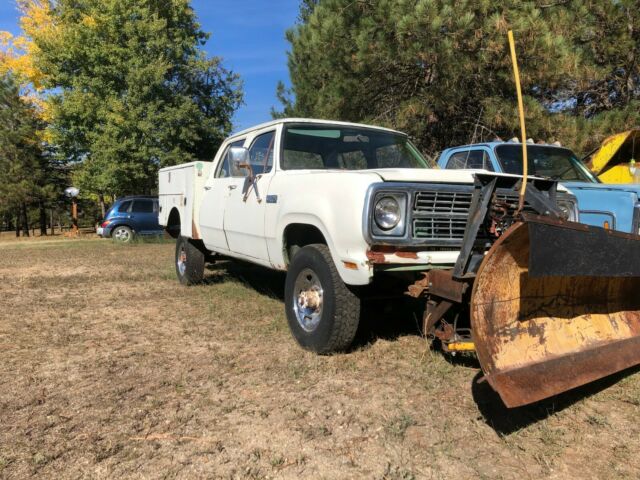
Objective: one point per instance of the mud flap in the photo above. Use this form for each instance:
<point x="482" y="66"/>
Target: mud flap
<point x="553" y="307"/>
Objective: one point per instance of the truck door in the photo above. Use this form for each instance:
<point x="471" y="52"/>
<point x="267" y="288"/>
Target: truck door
<point x="244" y="213"/>
<point x="214" y="199"/>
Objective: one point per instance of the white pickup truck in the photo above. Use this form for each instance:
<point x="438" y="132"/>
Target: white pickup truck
<point x="333" y="204"/>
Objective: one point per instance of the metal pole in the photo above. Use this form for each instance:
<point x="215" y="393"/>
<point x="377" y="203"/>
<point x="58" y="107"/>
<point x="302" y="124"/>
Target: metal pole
<point x="525" y="161"/>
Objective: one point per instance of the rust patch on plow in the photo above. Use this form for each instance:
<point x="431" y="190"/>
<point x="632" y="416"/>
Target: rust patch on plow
<point x="539" y="336"/>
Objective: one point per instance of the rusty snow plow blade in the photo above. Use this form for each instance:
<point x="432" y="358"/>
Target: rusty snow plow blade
<point x="555" y="305"/>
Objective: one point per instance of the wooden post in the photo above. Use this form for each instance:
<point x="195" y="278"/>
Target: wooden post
<point x="74" y="215"/>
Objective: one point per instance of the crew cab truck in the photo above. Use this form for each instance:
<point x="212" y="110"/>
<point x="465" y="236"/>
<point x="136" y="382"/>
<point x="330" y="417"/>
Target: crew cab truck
<point x="546" y="304"/>
<point x="615" y="207"/>
<point x="333" y="204"/>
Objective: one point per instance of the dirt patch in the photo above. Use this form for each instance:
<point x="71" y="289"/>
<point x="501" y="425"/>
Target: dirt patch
<point x="110" y="369"/>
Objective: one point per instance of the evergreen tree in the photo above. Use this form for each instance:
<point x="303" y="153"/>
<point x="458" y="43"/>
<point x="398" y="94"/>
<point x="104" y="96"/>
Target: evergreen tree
<point x="440" y="69"/>
<point x="24" y="168"/>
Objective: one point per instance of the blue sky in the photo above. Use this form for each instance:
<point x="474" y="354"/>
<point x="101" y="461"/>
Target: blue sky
<point x="248" y="34"/>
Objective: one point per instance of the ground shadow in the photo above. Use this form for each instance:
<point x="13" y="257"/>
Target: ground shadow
<point x="388" y="319"/>
<point x="263" y="280"/>
<point x="508" y="420"/>
<point x="381" y="318"/>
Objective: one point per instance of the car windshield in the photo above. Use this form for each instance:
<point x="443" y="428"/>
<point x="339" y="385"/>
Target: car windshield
<point x="553" y="162"/>
<point x="320" y="147"/>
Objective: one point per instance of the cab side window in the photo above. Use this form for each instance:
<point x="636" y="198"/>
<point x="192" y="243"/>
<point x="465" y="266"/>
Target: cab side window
<point x="224" y="170"/>
<point x="143" y="206"/>
<point x="476" y="159"/>
<point x="261" y="153"/>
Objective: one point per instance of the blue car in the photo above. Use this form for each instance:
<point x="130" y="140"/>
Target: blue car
<point x="612" y="206"/>
<point x="131" y="216"/>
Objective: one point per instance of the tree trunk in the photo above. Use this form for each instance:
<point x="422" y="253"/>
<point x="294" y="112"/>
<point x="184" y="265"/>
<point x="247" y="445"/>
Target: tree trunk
<point x="25" y="221"/>
<point x="18" y="223"/>
<point x="102" y="206"/>
<point x="53" y="232"/>
<point x="43" y="219"/>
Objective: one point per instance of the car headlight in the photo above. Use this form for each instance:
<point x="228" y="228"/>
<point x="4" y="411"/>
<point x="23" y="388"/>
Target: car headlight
<point x="387" y="213"/>
<point x="568" y="209"/>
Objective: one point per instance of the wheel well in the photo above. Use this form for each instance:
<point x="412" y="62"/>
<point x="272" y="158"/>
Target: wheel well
<point x="298" y="235"/>
<point x="173" y="223"/>
<point x="120" y="225"/>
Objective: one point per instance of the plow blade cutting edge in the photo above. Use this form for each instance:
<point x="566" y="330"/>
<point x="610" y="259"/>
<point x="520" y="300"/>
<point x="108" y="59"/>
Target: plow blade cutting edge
<point x="556" y="305"/>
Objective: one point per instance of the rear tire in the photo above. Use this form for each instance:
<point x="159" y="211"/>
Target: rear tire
<point x="322" y="312"/>
<point x="189" y="261"/>
<point x="122" y="234"/>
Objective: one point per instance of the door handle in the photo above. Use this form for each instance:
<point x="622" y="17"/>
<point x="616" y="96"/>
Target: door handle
<point x="232" y="187"/>
<point x="207" y="188"/>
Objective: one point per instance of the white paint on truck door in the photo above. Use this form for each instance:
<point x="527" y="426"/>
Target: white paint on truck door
<point x="244" y="213"/>
<point x="214" y="200"/>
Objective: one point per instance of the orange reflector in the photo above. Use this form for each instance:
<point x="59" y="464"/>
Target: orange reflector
<point x="606" y="225"/>
<point x="350" y="265"/>
<point x="461" y="347"/>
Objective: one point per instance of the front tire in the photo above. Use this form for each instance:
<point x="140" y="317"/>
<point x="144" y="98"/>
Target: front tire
<point x="322" y="312"/>
<point x="189" y="262"/>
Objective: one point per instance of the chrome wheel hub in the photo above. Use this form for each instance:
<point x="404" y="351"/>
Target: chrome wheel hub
<point x="122" y="235"/>
<point x="307" y="300"/>
<point x="182" y="261"/>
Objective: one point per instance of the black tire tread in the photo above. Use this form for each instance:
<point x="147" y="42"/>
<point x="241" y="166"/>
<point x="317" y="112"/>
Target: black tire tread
<point x="194" y="273"/>
<point x="347" y="307"/>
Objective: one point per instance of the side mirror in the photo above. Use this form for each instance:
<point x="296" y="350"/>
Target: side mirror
<point x="239" y="161"/>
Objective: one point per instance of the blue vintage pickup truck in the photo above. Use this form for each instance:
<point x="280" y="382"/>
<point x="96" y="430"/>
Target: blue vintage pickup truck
<point x="603" y="205"/>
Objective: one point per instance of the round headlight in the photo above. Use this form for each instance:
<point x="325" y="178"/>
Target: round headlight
<point x="387" y="213"/>
<point x="567" y="211"/>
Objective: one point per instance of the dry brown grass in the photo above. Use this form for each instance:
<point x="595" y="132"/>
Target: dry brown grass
<point x="110" y="369"/>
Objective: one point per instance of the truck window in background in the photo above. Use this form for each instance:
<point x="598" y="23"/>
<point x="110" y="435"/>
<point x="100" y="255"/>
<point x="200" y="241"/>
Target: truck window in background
<point x="475" y="159"/>
<point x="553" y="162"/>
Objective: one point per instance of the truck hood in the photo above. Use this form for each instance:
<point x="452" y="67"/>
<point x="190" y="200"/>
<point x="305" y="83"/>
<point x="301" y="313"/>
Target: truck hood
<point x="586" y="186"/>
<point x="436" y="175"/>
<point x="430" y="175"/>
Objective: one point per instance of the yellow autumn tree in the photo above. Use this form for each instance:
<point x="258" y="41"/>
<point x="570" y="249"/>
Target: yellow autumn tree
<point x="18" y="54"/>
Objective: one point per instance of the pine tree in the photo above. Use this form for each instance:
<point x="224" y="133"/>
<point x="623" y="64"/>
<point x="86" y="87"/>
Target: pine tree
<point x="440" y="69"/>
<point x="23" y="172"/>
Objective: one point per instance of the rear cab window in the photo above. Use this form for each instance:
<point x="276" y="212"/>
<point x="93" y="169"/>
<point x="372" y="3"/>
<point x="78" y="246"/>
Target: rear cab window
<point x="470" y="159"/>
<point x="124" y="207"/>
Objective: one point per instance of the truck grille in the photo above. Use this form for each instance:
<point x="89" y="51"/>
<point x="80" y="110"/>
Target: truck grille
<point x="441" y="214"/>
<point x="442" y="201"/>
<point x="439" y="228"/>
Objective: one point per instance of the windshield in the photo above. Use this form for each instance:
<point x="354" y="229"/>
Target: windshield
<point x="320" y="147"/>
<point x="553" y="162"/>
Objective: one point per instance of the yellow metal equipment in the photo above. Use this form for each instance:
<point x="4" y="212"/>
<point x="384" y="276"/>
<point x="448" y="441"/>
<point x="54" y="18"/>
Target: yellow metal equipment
<point x="614" y="161"/>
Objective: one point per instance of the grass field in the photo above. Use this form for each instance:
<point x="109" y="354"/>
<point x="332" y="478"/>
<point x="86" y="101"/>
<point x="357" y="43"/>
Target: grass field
<point x="110" y="369"/>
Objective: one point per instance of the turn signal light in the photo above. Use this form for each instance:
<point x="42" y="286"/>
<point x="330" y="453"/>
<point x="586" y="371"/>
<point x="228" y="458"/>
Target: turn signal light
<point x="606" y="225"/>
<point x="105" y="223"/>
